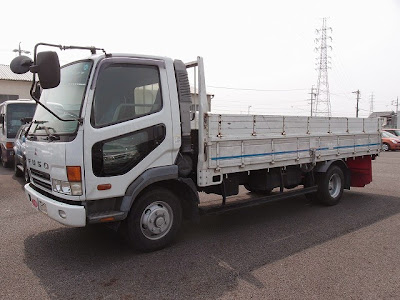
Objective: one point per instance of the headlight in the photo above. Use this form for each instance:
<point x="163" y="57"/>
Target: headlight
<point x="67" y="188"/>
<point x="394" y="141"/>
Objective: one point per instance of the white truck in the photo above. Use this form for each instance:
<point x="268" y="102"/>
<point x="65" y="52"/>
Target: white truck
<point x="13" y="113"/>
<point x="112" y="140"/>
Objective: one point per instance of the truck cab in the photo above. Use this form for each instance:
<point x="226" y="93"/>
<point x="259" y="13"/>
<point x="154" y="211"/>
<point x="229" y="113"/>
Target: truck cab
<point x="121" y="131"/>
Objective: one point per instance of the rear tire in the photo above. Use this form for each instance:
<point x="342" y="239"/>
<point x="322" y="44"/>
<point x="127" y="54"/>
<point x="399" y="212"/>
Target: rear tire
<point x="154" y="220"/>
<point x="330" y="187"/>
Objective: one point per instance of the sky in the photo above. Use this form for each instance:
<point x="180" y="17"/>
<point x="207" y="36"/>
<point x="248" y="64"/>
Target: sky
<point x="259" y="56"/>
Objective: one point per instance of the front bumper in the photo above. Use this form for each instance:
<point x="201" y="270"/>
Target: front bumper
<point x="70" y="215"/>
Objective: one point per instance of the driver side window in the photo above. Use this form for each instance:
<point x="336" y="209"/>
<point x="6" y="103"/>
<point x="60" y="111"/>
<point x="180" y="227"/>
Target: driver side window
<point x="125" y="92"/>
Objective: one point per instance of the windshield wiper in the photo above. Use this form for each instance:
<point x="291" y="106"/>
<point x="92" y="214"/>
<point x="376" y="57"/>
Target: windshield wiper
<point x="50" y="136"/>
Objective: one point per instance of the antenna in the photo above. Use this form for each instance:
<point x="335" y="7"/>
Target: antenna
<point x="322" y="100"/>
<point x="21" y="51"/>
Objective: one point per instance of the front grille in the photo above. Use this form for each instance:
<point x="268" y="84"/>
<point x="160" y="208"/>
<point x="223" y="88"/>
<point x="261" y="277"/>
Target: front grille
<point x="41" y="183"/>
<point x="40" y="174"/>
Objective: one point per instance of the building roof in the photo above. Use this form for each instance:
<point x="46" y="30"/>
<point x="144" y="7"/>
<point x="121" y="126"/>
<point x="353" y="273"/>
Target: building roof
<point x="7" y="74"/>
<point x="382" y="114"/>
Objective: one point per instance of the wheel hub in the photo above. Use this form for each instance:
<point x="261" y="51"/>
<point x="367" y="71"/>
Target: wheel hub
<point x="334" y="185"/>
<point x="156" y="220"/>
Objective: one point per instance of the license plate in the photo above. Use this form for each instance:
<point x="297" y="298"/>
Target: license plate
<point x="34" y="202"/>
<point x="42" y="207"/>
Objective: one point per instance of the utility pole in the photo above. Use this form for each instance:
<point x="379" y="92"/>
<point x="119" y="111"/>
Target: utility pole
<point x="20" y="51"/>
<point x="312" y="98"/>
<point x="322" y="103"/>
<point x="358" y="100"/>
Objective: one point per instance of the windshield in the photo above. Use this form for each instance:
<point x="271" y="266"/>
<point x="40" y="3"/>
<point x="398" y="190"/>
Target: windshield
<point x="64" y="100"/>
<point x="16" y="112"/>
<point x="396" y="132"/>
<point x="388" y="135"/>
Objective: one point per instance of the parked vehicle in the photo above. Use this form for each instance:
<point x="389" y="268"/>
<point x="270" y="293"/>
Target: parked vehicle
<point x="12" y="113"/>
<point x="20" y="168"/>
<point x="119" y="147"/>
<point x="390" y="141"/>
<point x="396" y="132"/>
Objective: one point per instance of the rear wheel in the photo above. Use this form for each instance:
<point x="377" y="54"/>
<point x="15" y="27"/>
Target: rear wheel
<point x="154" y="220"/>
<point x="330" y="187"/>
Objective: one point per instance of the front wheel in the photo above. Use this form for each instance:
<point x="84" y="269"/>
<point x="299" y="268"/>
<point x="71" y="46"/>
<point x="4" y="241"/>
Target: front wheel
<point x="17" y="171"/>
<point x="5" y="164"/>
<point x="385" y="147"/>
<point x="154" y="220"/>
<point x="26" y="174"/>
<point x="330" y="187"/>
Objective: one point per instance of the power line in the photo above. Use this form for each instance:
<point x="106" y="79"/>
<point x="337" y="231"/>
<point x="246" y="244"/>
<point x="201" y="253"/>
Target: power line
<point x="255" y="90"/>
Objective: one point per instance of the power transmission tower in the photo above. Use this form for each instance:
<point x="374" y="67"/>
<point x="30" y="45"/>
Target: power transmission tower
<point x="322" y="103"/>
<point x="358" y="100"/>
<point x="371" y="103"/>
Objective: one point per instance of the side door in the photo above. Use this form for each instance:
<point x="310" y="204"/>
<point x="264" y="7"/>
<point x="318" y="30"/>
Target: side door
<point x="130" y="128"/>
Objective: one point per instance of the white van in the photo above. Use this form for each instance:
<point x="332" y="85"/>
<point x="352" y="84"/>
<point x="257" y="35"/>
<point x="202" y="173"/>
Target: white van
<point x="12" y="115"/>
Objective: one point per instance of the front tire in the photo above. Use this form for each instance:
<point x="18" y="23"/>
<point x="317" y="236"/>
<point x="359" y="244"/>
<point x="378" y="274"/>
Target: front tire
<point x="385" y="147"/>
<point x="330" y="187"/>
<point x="17" y="171"/>
<point x="5" y="164"/>
<point x="154" y="220"/>
<point x="26" y="174"/>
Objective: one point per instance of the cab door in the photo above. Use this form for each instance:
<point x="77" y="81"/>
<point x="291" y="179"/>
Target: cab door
<point x="130" y="128"/>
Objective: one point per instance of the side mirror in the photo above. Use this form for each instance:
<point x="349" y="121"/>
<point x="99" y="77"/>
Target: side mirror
<point x="48" y="69"/>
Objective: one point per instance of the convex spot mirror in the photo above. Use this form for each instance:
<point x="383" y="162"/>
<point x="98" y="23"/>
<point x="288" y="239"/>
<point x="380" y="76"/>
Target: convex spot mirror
<point x="47" y="67"/>
<point x="21" y="64"/>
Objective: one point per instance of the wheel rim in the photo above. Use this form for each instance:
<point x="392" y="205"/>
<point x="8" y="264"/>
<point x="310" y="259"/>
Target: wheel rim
<point x="335" y="185"/>
<point x="156" y="220"/>
<point x="385" y="147"/>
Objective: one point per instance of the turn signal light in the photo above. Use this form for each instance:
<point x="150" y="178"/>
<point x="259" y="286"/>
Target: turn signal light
<point x="9" y="145"/>
<point x="103" y="187"/>
<point x="109" y="219"/>
<point x="74" y="173"/>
